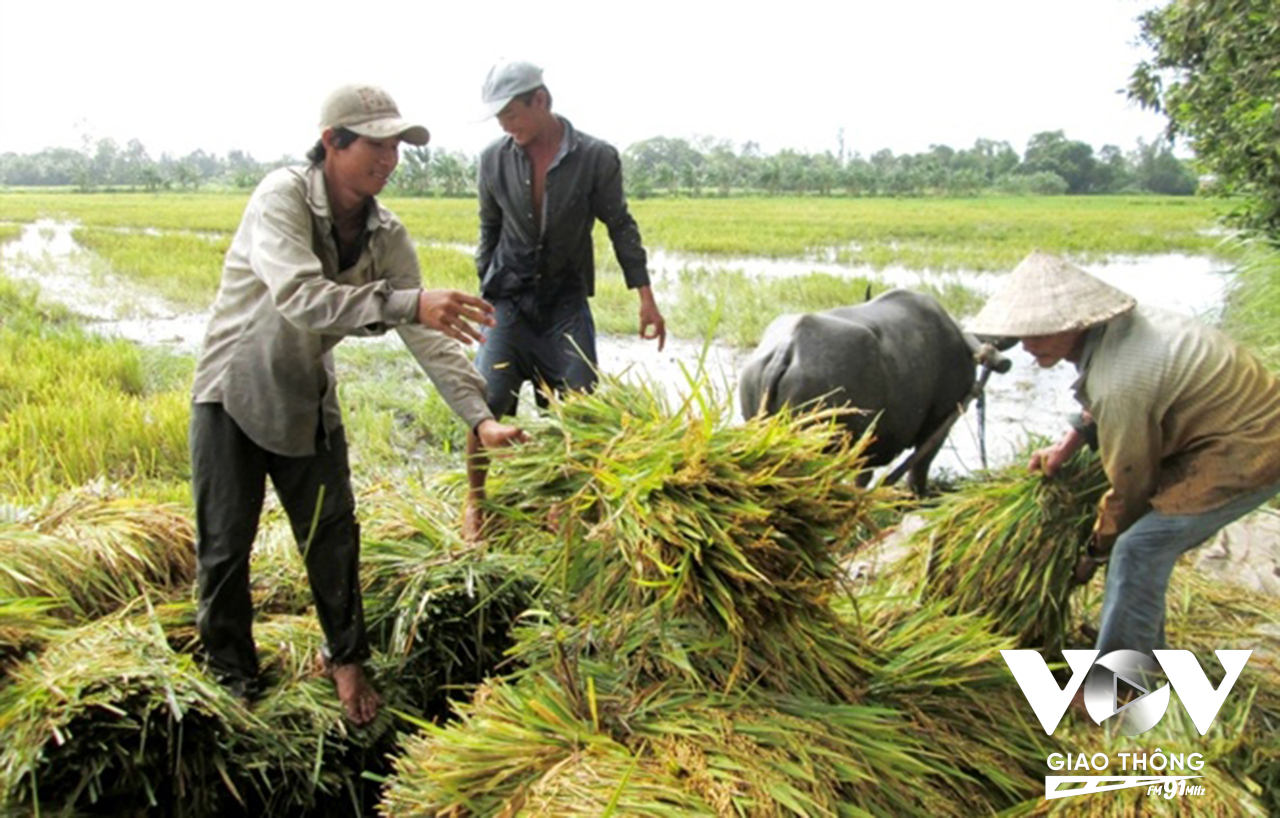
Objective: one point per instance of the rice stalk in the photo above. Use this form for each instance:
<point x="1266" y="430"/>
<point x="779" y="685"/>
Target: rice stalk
<point x="739" y="526"/>
<point x="442" y="613"/>
<point x="111" y="718"/>
<point x="1006" y="547"/>
<point x="97" y="555"/>
<point x="25" y="624"/>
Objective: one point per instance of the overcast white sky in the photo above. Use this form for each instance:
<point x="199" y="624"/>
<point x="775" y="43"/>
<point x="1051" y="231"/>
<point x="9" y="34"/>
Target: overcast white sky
<point x="250" y="74"/>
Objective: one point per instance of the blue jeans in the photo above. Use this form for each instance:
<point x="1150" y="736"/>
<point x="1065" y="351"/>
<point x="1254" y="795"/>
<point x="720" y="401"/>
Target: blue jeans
<point x="558" y="352"/>
<point x="1142" y="562"/>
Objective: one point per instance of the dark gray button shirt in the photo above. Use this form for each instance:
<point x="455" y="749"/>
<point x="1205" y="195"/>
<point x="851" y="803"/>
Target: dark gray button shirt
<point x="584" y="183"/>
<point x="284" y="304"/>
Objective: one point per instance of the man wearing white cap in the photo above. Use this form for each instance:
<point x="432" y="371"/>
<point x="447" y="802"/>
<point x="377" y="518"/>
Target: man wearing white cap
<point x="542" y="187"/>
<point x="1187" y="424"/>
<point x="315" y="259"/>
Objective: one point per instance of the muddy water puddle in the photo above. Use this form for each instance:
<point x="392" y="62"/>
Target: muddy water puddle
<point x="47" y="255"/>
<point x="1027" y="400"/>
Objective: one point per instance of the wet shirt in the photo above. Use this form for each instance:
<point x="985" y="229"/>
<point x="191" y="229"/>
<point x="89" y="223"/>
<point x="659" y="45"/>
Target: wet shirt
<point x="285" y="302"/>
<point x="1186" y="418"/>
<point x="543" y="264"/>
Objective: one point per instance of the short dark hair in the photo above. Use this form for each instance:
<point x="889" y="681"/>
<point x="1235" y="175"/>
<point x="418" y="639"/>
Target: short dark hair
<point x="527" y="97"/>
<point x="341" y="138"/>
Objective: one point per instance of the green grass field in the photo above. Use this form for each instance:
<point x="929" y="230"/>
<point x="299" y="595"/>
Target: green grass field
<point x="938" y="234"/>
<point x="172" y="243"/>
<point x="76" y="408"/>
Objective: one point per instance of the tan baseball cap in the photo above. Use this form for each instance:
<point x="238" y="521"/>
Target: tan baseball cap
<point x="369" y="111"/>
<point x="1045" y="295"/>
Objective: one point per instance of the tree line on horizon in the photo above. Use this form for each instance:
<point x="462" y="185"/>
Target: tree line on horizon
<point x="1051" y="164"/>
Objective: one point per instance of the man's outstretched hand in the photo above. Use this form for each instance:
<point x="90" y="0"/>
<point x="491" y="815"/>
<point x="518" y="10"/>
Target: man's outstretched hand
<point x="495" y="435"/>
<point x="455" y="313"/>
<point x="1049" y="459"/>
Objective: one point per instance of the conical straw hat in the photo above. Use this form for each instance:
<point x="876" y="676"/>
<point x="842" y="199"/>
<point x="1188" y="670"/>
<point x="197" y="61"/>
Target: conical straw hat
<point x="1045" y="295"/>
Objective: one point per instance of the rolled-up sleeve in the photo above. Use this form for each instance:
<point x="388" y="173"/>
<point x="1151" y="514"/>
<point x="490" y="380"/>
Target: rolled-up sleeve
<point x="281" y="256"/>
<point x="442" y="358"/>
<point x="453" y="374"/>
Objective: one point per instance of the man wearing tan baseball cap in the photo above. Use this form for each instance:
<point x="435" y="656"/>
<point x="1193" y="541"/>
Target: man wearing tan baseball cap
<point x="316" y="259"/>
<point x="1186" y="421"/>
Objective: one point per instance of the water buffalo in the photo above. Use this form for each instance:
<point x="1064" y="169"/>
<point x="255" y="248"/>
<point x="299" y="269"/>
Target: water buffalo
<point x="899" y="358"/>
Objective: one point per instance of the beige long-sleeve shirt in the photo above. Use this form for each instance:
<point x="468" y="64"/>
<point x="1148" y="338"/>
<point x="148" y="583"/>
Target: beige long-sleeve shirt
<point x="284" y="304"/>
<point x="1187" y="419"/>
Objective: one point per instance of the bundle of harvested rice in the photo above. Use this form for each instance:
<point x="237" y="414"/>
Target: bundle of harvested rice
<point x="527" y="750"/>
<point x="944" y="673"/>
<point x="1229" y="791"/>
<point x="97" y="555"/>
<point x="111" y="718"/>
<point x="1007" y="547"/>
<point x="730" y="531"/>
<point x="687" y="750"/>
<point x="695" y="567"/>
<point x="442" y="612"/>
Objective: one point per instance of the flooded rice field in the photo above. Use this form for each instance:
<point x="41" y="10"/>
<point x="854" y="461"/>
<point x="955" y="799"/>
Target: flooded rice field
<point x="1026" y="401"/>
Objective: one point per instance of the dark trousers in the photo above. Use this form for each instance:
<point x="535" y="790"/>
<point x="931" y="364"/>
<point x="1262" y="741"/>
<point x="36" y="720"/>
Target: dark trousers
<point x="558" y="352"/>
<point x="228" y="476"/>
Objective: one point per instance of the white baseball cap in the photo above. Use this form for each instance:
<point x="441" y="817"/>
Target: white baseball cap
<point x="507" y="80"/>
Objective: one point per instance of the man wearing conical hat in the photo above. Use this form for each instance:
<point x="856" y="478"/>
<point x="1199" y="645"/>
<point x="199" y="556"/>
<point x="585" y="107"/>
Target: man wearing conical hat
<point x="1186" y="421"/>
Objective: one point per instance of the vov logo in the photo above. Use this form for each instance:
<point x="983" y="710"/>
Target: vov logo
<point x="1050" y="702"/>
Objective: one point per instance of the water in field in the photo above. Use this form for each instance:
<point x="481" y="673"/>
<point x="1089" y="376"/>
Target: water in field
<point x="47" y="255"/>
<point x="1194" y="285"/>
<point x="1027" y="400"/>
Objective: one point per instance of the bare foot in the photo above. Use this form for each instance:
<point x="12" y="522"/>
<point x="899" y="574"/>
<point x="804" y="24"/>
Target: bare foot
<point x="472" y="523"/>
<point x="355" y="692"/>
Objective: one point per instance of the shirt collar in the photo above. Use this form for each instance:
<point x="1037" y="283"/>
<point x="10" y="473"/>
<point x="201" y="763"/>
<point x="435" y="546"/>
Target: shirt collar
<point x="1092" y="338"/>
<point x="318" y="201"/>
<point x="569" y="141"/>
